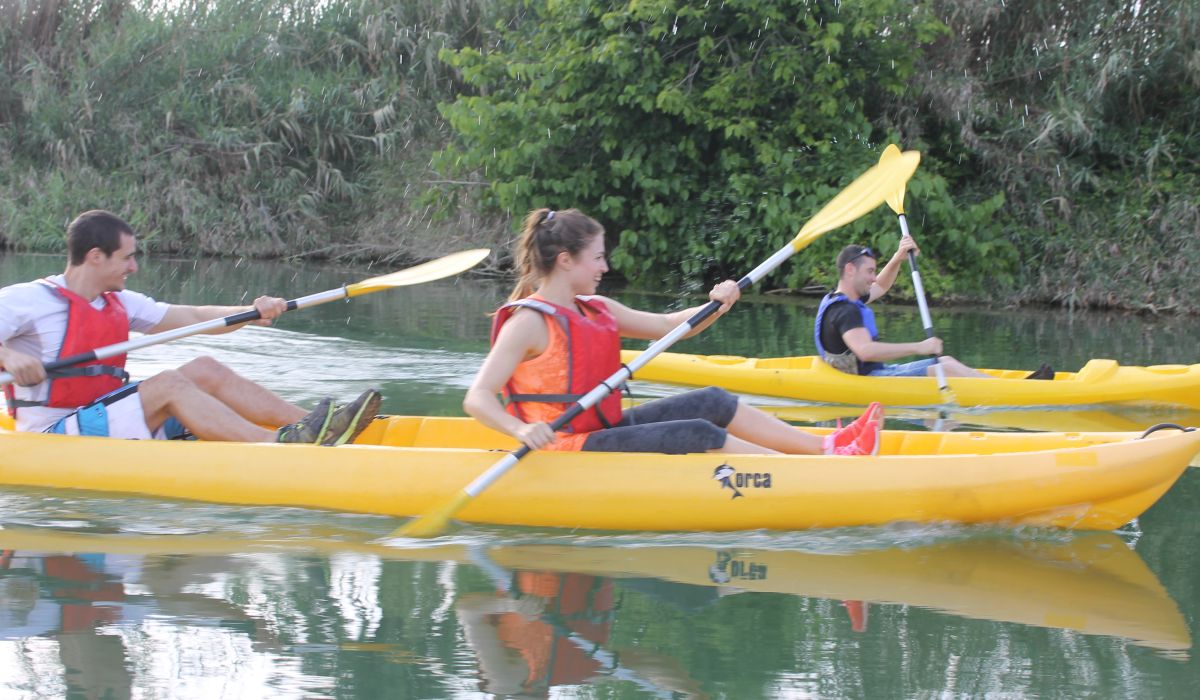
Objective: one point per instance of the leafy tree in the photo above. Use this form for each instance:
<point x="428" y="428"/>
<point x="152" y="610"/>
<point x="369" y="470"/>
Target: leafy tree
<point x="703" y="134"/>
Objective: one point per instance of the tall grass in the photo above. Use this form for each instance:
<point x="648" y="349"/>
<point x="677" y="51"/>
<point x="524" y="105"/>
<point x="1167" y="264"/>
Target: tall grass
<point x="1086" y="115"/>
<point x="249" y="127"/>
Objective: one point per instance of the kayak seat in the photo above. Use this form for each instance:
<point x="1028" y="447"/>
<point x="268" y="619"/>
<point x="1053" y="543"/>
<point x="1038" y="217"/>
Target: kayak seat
<point x="1170" y="369"/>
<point x="1096" y="370"/>
<point x="801" y="363"/>
<point x="440" y="433"/>
<point x="725" y="359"/>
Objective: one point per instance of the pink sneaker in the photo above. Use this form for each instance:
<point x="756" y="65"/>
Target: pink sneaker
<point x="861" y="437"/>
<point x="874" y="412"/>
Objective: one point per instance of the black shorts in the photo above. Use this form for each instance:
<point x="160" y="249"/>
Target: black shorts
<point x="691" y="422"/>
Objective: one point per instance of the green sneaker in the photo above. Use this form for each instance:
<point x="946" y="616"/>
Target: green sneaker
<point x="350" y="420"/>
<point x="310" y="429"/>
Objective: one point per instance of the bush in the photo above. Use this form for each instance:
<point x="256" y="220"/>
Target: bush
<point x="703" y="135"/>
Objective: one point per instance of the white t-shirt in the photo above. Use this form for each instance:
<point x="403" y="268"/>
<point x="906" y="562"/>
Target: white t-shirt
<point x="33" y="320"/>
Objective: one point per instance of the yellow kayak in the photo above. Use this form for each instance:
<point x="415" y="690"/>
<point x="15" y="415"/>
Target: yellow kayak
<point x="1091" y="583"/>
<point x="404" y="465"/>
<point x="810" y="379"/>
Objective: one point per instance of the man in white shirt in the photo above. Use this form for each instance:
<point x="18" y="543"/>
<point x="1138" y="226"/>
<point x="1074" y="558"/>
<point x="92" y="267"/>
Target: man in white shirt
<point x="88" y="307"/>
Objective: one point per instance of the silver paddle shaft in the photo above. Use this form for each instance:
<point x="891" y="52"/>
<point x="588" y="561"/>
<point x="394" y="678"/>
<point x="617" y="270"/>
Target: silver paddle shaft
<point x="922" y="304"/>
<point x="176" y="333"/>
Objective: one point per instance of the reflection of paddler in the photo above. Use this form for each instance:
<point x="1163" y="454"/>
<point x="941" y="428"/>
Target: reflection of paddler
<point x="857" y="610"/>
<point x="522" y="637"/>
<point x="88" y="596"/>
<point x="79" y="581"/>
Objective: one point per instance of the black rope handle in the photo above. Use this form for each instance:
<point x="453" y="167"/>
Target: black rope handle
<point x="1164" y="426"/>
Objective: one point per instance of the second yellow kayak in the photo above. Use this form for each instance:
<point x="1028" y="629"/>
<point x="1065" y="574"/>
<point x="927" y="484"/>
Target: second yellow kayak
<point x="810" y="379"/>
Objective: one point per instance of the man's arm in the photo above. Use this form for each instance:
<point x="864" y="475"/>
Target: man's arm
<point x="25" y="369"/>
<point x="860" y="343"/>
<point x="178" y="316"/>
<point x="887" y="276"/>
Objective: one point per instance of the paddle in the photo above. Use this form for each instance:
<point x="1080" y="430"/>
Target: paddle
<point x="426" y="272"/>
<point x="860" y="197"/>
<point x="895" y="200"/>
<point x="502" y="579"/>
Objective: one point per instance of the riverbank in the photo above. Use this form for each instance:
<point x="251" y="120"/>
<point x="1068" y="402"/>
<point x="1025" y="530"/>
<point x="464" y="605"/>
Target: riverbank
<point x="359" y="131"/>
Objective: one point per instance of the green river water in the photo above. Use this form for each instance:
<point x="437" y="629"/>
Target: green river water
<point x="105" y="596"/>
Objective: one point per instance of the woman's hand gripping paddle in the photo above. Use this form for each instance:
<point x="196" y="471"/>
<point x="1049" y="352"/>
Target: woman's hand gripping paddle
<point x="446" y="266"/>
<point x="861" y="196"/>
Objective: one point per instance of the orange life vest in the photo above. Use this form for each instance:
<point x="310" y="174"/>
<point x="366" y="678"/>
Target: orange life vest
<point x="584" y="349"/>
<point x="580" y="605"/>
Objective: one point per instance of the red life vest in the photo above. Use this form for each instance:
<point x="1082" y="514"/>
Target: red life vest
<point x="584" y="349"/>
<point x="88" y="329"/>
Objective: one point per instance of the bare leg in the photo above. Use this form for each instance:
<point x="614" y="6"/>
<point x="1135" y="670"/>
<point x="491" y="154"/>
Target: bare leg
<point x="249" y="400"/>
<point x="954" y="368"/>
<point x="768" y="434"/>
<point x="171" y="393"/>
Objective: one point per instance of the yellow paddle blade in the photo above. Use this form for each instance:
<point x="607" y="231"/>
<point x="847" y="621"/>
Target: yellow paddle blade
<point x="435" y="522"/>
<point x="425" y="272"/>
<point x="861" y="196"/>
<point x="895" y="200"/>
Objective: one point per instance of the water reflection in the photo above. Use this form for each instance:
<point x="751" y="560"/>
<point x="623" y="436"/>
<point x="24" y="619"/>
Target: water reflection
<point x="319" y="610"/>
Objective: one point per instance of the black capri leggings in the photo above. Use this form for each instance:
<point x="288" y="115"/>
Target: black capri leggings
<point x="691" y="422"/>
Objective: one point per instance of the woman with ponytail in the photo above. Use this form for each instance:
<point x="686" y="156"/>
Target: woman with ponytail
<point x="555" y="340"/>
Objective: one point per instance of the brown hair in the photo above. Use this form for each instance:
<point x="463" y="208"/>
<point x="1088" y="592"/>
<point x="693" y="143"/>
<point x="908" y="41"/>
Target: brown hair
<point x="544" y="235"/>
<point x="853" y="254"/>
<point x="95" y="229"/>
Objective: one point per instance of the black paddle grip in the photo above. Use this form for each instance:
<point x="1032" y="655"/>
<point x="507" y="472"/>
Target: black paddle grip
<point x="243" y="317"/>
<point x="69" y="361"/>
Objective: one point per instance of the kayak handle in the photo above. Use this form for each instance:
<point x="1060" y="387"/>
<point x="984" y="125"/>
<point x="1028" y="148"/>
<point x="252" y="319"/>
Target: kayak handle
<point x="1165" y="426"/>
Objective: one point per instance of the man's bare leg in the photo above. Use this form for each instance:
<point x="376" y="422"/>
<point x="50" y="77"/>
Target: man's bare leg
<point x="954" y="368"/>
<point x="248" y="399"/>
<point x="173" y="394"/>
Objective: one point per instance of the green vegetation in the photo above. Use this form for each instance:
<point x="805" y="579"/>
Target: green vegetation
<point x="703" y="135"/>
<point x="1058" y="138"/>
<point x="250" y="127"/>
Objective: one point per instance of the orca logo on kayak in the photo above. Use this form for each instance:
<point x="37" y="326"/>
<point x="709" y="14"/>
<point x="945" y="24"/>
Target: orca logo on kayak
<point x="734" y="480"/>
<point x="727" y="569"/>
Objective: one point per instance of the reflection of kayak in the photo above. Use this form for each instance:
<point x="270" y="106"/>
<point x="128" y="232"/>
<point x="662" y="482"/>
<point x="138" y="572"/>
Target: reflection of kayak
<point x="809" y="379"/>
<point x="405" y="465"/>
<point x="1090" y="583"/>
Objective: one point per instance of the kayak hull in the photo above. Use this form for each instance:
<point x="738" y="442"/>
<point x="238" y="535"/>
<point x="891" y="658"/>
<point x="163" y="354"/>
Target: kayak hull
<point x="810" y="379"/>
<point x="403" y="466"/>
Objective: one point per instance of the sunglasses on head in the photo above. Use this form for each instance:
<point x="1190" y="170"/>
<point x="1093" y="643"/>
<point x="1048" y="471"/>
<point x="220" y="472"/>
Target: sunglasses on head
<point x="864" y="251"/>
